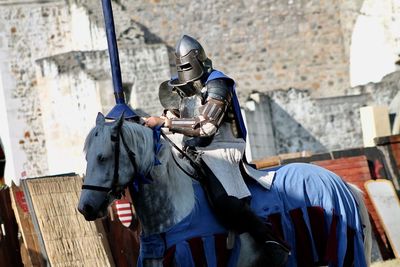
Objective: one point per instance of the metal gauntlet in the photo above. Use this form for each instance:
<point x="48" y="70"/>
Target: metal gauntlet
<point x="211" y="113"/>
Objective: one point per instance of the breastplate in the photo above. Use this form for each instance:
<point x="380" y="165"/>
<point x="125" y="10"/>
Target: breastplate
<point x="189" y="106"/>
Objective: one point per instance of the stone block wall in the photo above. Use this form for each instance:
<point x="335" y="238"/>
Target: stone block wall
<point x="74" y="86"/>
<point x="69" y="104"/>
<point x="144" y="67"/>
<point x="266" y="45"/>
<point x="27" y="31"/>
<point x="300" y="122"/>
<point x="46" y="32"/>
<point x="258" y="117"/>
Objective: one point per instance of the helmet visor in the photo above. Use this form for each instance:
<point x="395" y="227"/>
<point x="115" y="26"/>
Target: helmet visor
<point x="189" y="68"/>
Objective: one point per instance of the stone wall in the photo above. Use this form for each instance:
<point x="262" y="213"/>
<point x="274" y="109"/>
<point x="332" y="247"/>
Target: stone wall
<point x="47" y="32"/>
<point x="27" y="32"/>
<point x="263" y="45"/>
<point x="260" y="129"/>
<point x="74" y="86"/>
<point x="69" y="104"/>
<point x="145" y="67"/>
<point x="269" y="45"/>
<point x="372" y="38"/>
<point x="300" y="122"/>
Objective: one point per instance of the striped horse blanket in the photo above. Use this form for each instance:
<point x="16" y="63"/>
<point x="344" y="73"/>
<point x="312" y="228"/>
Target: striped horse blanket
<point x="308" y="206"/>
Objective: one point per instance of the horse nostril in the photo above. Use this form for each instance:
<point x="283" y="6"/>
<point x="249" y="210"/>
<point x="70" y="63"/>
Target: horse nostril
<point x="86" y="210"/>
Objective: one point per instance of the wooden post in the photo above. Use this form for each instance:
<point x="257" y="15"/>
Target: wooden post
<point x="390" y="147"/>
<point x="30" y="248"/>
<point x="2" y="164"/>
<point x="9" y="244"/>
<point x="374" y="123"/>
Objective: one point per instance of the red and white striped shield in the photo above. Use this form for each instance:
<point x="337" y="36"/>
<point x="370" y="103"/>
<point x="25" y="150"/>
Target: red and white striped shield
<point x="124" y="212"/>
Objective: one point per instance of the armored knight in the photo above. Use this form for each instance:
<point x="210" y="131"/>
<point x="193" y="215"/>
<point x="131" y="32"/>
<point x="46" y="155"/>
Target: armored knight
<point x="207" y="112"/>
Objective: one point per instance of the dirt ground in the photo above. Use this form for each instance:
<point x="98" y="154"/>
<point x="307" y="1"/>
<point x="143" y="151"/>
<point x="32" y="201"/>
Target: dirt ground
<point x="391" y="263"/>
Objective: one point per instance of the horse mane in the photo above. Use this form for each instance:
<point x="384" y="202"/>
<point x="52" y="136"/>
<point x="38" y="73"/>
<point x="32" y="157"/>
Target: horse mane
<point x="90" y="137"/>
<point x="131" y="131"/>
<point x="138" y="137"/>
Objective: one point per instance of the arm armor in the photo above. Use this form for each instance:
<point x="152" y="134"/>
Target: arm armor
<point x="211" y="113"/>
<point x="219" y="89"/>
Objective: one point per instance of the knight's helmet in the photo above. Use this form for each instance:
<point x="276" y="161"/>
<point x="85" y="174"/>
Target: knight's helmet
<point x="191" y="61"/>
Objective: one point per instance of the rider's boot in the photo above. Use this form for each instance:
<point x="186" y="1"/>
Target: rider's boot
<point x="237" y="215"/>
<point x="275" y="250"/>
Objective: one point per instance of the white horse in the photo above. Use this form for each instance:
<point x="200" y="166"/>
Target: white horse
<point x="323" y="219"/>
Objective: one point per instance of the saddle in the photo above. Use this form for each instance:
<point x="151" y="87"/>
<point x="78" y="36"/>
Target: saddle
<point x="248" y="170"/>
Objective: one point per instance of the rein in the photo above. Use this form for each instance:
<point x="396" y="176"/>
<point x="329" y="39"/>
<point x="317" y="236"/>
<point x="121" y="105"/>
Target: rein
<point x="115" y="189"/>
<point x="194" y="164"/>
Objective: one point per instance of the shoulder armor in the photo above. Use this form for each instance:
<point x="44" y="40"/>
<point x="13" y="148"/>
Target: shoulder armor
<point x="169" y="96"/>
<point x="219" y="89"/>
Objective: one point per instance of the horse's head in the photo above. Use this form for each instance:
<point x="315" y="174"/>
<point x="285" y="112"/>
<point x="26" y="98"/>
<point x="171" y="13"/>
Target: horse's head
<point x="123" y="153"/>
<point x="109" y="168"/>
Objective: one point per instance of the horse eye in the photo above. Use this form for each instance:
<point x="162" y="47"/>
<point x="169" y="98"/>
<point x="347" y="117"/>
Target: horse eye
<point x="101" y="158"/>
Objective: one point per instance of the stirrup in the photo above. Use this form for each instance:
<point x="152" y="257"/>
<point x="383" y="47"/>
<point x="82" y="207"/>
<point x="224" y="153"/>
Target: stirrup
<point x="230" y="240"/>
<point x="280" y="245"/>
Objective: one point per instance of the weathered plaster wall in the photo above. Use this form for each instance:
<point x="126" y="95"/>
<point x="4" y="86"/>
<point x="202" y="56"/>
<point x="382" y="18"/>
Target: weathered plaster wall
<point x="300" y="122"/>
<point x="40" y="31"/>
<point x="373" y="38"/>
<point x="28" y="31"/>
<point x="75" y="86"/>
<point x="258" y="116"/>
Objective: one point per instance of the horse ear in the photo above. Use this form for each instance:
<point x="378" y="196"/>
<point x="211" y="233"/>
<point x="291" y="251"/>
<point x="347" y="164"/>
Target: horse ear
<point x="100" y="119"/>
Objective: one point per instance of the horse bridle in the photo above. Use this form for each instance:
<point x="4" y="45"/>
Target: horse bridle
<point x="116" y="190"/>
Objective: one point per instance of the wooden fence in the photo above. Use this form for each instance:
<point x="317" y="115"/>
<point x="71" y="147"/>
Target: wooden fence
<point x="353" y="165"/>
<point x="124" y="242"/>
<point x="9" y="244"/>
<point x="357" y="166"/>
<point x="356" y="170"/>
<point x="390" y="148"/>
